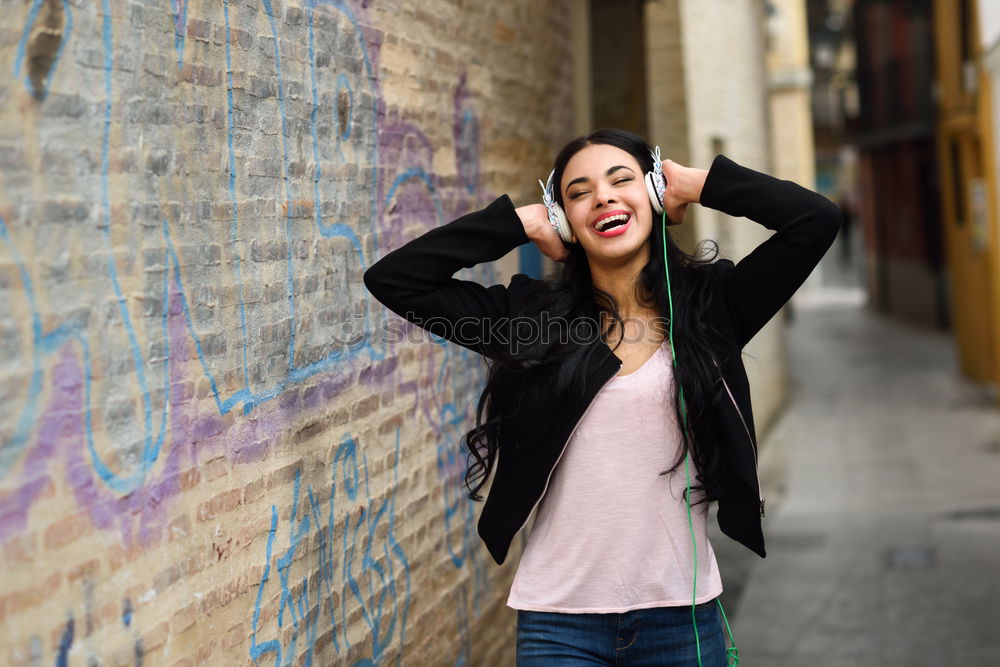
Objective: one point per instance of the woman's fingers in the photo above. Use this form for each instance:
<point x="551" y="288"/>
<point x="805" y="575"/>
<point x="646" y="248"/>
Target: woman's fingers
<point x="535" y="218"/>
<point x="673" y="200"/>
<point x="684" y="186"/>
<point x="669" y="170"/>
<point x="551" y="245"/>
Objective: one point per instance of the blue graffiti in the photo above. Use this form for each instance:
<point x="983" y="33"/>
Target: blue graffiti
<point x="154" y="418"/>
<point x="246" y="397"/>
<point x="180" y="11"/>
<point x="455" y="371"/>
<point x="12" y="448"/>
<point x="152" y="384"/>
<point x="458" y="507"/>
<point x="42" y="344"/>
<point x="65" y="642"/>
<point x="68" y="635"/>
<point x="127" y="612"/>
<point x="378" y="567"/>
<point x="152" y="441"/>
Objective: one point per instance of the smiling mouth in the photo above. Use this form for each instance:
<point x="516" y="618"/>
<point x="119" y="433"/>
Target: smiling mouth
<point x="612" y="221"/>
<point x="613" y="225"/>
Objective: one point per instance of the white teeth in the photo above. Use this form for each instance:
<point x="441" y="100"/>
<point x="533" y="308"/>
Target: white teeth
<point x="603" y="224"/>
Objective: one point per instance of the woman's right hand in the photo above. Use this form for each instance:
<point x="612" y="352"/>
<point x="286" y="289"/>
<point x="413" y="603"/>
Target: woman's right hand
<point x="535" y="218"/>
<point x="684" y="186"/>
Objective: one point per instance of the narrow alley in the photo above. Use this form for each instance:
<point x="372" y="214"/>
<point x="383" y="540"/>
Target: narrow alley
<point x="883" y="528"/>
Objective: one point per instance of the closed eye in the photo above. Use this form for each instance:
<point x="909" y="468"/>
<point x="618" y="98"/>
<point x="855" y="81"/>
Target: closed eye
<point x="580" y="193"/>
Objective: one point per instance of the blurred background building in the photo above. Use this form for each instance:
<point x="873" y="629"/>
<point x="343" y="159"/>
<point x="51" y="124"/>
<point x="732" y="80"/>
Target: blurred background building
<point x="904" y="108"/>
<point x="965" y="35"/>
<point x="899" y="176"/>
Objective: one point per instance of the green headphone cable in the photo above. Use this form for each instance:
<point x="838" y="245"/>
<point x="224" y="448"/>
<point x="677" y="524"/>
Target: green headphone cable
<point x="732" y="653"/>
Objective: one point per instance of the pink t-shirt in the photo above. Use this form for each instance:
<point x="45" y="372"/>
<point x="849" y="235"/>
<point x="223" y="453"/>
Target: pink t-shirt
<point x="611" y="534"/>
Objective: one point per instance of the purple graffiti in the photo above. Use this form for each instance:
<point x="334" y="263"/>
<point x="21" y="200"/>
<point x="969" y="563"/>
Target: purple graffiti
<point x="61" y="427"/>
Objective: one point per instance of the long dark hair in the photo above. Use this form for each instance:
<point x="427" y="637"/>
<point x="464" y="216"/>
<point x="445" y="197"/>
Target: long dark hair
<point x="557" y="368"/>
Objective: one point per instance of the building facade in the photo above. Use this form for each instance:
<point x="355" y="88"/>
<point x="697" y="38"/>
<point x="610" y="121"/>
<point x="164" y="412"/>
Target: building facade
<point x="899" y="172"/>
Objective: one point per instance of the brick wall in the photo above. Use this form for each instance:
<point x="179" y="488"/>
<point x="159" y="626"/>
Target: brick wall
<point x="210" y="453"/>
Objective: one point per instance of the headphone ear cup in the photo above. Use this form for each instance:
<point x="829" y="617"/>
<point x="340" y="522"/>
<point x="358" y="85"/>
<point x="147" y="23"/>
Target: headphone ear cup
<point x="558" y="219"/>
<point x="655" y="193"/>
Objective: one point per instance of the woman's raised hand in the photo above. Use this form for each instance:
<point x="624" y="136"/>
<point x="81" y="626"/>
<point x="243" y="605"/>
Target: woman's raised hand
<point x="535" y="218"/>
<point x="684" y="186"/>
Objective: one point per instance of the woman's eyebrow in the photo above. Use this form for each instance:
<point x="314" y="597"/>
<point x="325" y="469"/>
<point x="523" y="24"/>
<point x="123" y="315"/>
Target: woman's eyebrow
<point x="584" y="179"/>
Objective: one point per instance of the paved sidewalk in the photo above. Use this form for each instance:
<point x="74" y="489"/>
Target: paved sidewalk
<point x="883" y="488"/>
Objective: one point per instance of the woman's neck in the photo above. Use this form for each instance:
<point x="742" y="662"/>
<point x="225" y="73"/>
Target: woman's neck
<point x="620" y="281"/>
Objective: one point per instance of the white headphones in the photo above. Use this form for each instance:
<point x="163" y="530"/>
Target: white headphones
<point x="656" y="185"/>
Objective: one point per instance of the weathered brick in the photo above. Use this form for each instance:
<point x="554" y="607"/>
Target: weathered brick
<point x="179" y="528"/>
<point x="118" y="556"/>
<point x="200" y="30"/>
<point x="155" y="636"/>
<point x="224" y="502"/>
<point x="285" y="474"/>
<point x="254" y="490"/>
<point x="25" y="598"/>
<point x="340" y="417"/>
<point x="86" y="570"/>
<point x="19" y="548"/>
<point x="364" y="407"/>
<point x="260" y="86"/>
<point x="183" y="619"/>
<point x="390" y="425"/>
<point x="222" y="595"/>
<point x="58" y="105"/>
<point x="189" y="479"/>
<point x="64" y="531"/>
<point x="240" y="38"/>
<point x="163" y="579"/>
<point x="234" y="636"/>
<point x="216" y="468"/>
<point x="310" y="431"/>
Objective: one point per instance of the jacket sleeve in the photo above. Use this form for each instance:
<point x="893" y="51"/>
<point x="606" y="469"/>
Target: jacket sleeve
<point x="806" y="224"/>
<point x="415" y="281"/>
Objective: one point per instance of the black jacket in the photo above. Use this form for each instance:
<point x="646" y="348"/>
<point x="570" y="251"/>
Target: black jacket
<point x="416" y="282"/>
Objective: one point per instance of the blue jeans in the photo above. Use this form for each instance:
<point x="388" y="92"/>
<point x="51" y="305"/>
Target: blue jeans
<point x="639" y="638"/>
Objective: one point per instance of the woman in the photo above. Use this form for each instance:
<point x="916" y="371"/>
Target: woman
<point x="627" y="375"/>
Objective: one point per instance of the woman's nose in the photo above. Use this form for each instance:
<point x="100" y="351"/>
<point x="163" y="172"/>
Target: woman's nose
<point x="604" y="197"/>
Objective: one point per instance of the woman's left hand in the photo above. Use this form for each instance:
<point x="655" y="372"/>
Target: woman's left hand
<point x="684" y="186"/>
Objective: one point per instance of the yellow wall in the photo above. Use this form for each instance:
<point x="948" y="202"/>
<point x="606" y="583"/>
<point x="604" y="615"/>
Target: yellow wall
<point x="965" y="144"/>
<point x="991" y="99"/>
